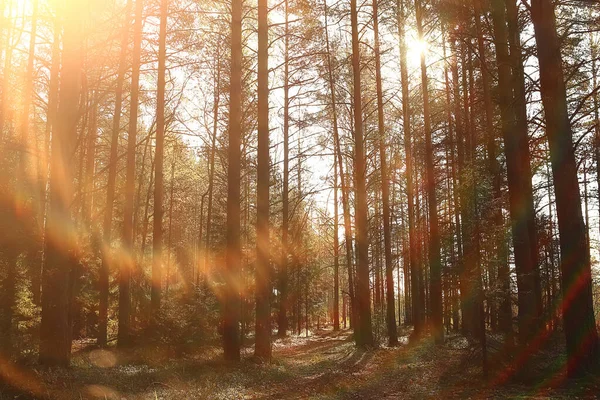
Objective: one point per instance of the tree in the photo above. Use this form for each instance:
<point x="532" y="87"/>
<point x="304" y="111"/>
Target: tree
<point x="578" y="312"/>
<point x="363" y="329"/>
<point x="55" y="336"/>
<point x="263" y="276"/>
<point x="516" y="148"/>
<point x="385" y="191"/>
<point x="159" y="161"/>
<point x="128" y="261"/>
<point x="104" y="274"/>
<point x="231" y="343"/>
<point x="417" y="316"/>
<point x="283" y="273"/>
<point x="434" y="235"/>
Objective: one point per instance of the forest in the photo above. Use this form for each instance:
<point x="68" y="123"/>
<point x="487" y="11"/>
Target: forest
<point x="299" y="199"/>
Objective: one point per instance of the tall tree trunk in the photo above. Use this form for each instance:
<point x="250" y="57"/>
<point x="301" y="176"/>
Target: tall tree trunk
<point x="499" y="248"/>
<point x="111" y="184"/>
<point x="6" y="29"/>
<point x="211" y="171"/>
<point x="128" y="261"/>
<point x="516" y="148"/>
<point x="283" y="273"/>
<point x="520" y="107"/>
<point x="435" y="261"/>
<point x="578" y="311"/>
<point x="344" y="188"/>
<point x="417" y="315"/>
<point x="385" y="191"/>
<point x="157" y="236"/>
<point x="55" y="331"/>
<point x="364" y="332"/>
<point x="336" y="249"/>
<point x="231" y="340"/>
<point x="263" y="278"/>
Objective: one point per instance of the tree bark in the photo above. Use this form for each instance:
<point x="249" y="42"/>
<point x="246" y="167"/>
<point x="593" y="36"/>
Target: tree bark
<point x="231" y="340"/>
<point x="283" y="274"/>
<point x="417" y="315"/>
<point x="435" y="261"/>
<point x="363" y="330"/>
<point x="128" y="261"/>
<point x="263" y="273"/>
<point x="385" y="191"/>
<point x="55" y="331"/>
<point x="578" y="311"/>
<point x="157" y="236"/>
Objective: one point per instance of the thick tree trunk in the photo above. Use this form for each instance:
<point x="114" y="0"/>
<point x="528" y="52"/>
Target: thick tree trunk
<point x="55" y="331"/>
<point x="578" y="311"/>
<point x="520" y="108"/>
<point x="516" y="148"/>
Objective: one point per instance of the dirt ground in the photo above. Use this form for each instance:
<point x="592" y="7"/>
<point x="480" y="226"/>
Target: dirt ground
<point x="324" y="366"/>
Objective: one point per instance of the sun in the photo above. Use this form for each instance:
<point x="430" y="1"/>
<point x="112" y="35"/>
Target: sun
<point x="415" y="49"/>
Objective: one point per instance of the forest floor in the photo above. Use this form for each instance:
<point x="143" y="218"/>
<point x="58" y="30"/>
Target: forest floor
<point x="324" y="366"/>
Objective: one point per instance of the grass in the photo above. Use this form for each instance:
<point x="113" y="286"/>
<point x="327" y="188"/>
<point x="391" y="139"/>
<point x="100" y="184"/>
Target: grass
<point x="324" y="366"/>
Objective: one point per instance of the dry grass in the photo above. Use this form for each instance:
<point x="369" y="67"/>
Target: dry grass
<point x="324" y="366"/>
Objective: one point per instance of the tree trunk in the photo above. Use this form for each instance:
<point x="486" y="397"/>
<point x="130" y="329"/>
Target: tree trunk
<point x="111" y="184"/>
<point x="435" y="261"/>
<point x="55" y="331"/>
<point x="157" y="235"/>
<point x="128" y="261"/>
<point x="515" y="147"/>
<point x="578" y="311"/>
<point x="283" y="273"/>
<point x="363" y="333"/>
<point x="231" y="340"/>
<point x="385" y="191"/>
<point x="263" y="275"/>
<point x="344" y="188"/>
<point x="520" y="107"/>
<point x="417" y="316"/>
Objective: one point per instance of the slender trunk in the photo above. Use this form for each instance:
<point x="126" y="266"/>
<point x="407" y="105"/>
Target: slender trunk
<point x="128" y="261"/>
<point x="336" y="250"/>
<point x="211" y="173"/>
<point x="157" y="236"/>
<point x="385" y="191"/>
<point x="231" y="340"/>
<point x="111" y="185"/>
<point x="283" y="274"/>
<point x="417" y="316"/>
<point x="263" y="278"/>
<point x="344" y="188"/>
<point x="364" y="336"/>
<point x="435" y="261"/>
